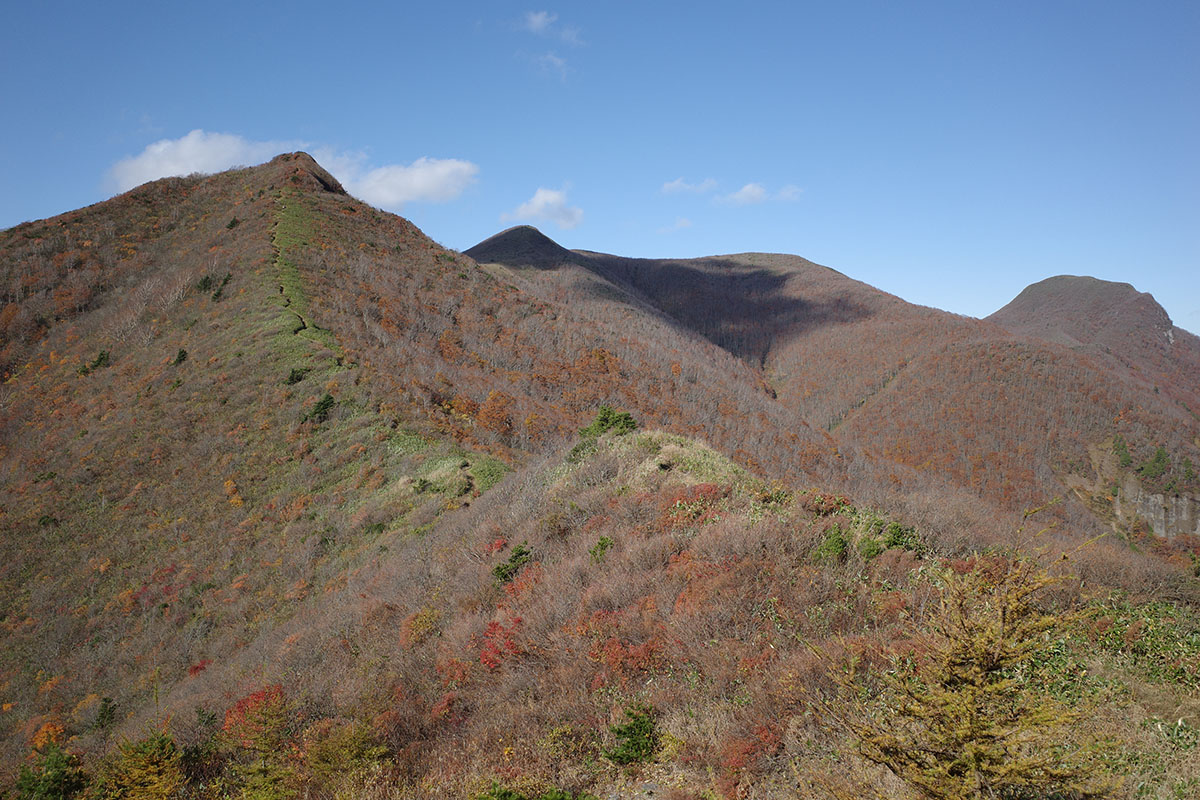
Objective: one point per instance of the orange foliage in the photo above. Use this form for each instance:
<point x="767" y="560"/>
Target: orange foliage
<point x="496" y="413"/>
<point x="49" y="733"/>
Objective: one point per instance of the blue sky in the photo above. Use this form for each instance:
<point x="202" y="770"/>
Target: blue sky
<point x="948" y="152"/>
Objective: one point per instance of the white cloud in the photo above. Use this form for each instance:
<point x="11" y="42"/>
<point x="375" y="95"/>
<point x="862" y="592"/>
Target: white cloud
<point x="550" y="62"/>
<point x="543" y="24"/>
<point x="539" y="21"/>
<point x="680" y="185"/>
<point x="426" y="180"/>
<point x="198" y="151"/>
<point x="679" y="224"/>
<point x="750" y="194"/>
<point x="392" y="186"/>
<point x="570" y="35"/>
<point x="753" y="194"/>
<point x="548" y="204"/>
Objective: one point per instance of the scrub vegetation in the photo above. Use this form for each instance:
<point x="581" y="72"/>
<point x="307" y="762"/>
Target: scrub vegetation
<point x="299" y="504"/>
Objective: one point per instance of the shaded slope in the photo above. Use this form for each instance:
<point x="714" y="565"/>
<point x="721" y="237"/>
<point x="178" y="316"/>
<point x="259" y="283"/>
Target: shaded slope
<point x="521" y="245"/>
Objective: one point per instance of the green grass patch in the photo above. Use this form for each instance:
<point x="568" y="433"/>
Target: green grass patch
<point x="1159" y="640"/>
<point x="487" y="471"/>
<point x="407" y="443"/>
<point x="294" y="231"/>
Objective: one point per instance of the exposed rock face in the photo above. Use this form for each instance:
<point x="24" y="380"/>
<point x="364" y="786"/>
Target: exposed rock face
<point x="1168" y="515"/>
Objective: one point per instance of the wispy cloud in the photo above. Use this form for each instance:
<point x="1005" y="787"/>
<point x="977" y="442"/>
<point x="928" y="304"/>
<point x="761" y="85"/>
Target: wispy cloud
<point x="679" y="185"/>
<point x="679" y="224"/>
<point x="749" y="195"/>
<point x="552" y="62"/>
<point x="545" y="23"/>
<point x="391" y="186"/>
<point x="550" y="205"/>
<point x="539" y="21"/>
<point x="753" y="194"/>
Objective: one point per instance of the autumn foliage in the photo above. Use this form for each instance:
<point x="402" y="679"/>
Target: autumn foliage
<point x="406" y="524"/>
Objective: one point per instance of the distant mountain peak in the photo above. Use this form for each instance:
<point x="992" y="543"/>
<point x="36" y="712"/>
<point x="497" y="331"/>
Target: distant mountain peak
<point x="521" y="245"/>
<point x="1081" y="310"/>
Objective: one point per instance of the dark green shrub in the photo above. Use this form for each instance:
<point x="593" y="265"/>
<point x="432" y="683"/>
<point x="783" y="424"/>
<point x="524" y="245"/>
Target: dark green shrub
<point x="897" y="535"/>
<point x="296" y="375"/>
<point x="204" y="284"/>
<point x="106" y="715"/>
<point x="53" y="775"/>
<point x="233" y="223"/>
<point x="219" y="293"/>
<point x="320" y="410"/>
<point x="1158" y="464"/>
<point x="180" y="357"/>
<point x="869" y="547"/>
<point x="101" y="360"/>
<point x="637" y="737"/>
<point x="833" y="547"/>
<point x="519" y="557"/>
<point x="608" y="419"/>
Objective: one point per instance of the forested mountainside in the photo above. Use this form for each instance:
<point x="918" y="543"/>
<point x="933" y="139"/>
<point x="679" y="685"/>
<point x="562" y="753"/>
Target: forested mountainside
<point x="297" y="502"/>
<point x="1010" y="411"/>
<point x="1115" y="322"/>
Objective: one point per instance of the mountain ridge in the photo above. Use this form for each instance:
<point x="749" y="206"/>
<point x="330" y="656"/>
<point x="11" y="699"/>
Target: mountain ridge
<point x="256" y="433"/>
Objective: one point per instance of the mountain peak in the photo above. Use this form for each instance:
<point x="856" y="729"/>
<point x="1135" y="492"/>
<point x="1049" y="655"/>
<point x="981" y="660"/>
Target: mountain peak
<point x="1079" y="309"/>
<point x="521" y="246"/>
<point x="301" y="169"/>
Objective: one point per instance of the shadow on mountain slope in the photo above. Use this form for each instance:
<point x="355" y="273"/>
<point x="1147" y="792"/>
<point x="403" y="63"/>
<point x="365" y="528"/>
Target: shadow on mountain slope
<point x="747" y="311"/>
<point x="739" y="306"/>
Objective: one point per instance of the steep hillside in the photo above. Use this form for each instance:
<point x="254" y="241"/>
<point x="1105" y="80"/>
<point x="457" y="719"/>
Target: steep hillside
<point x="1113" y="320"/>
<point x="188" y="459"/>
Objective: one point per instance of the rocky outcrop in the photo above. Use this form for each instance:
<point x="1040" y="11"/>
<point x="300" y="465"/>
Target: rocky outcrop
<point x="1167" y="515"/>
